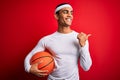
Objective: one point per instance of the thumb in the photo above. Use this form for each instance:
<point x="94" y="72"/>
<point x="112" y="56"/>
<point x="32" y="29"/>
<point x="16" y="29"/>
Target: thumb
<point x="88" y="35"/>
<point x="38" y="63"/>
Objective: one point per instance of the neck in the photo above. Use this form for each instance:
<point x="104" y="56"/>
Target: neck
<point x="64" y="30"/>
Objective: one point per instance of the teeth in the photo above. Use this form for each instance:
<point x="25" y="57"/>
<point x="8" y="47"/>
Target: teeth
<point x="68" y="19"/>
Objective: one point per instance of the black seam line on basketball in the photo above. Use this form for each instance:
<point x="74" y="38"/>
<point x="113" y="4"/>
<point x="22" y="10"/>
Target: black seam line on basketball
<point x="41" y="57"/>
<point x="47" y="64"/>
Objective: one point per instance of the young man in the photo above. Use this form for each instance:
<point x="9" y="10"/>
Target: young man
<point x="67" y="46"/>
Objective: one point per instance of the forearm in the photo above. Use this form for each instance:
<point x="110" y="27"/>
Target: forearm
<point x="39" y="47"/>
<point x="27" y="63"/>
<point x="27" y="60"/>
<point x="85" y="58"/>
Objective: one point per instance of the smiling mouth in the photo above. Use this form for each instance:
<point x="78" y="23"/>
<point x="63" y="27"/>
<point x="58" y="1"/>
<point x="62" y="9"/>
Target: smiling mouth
<point x="69" y="19"/>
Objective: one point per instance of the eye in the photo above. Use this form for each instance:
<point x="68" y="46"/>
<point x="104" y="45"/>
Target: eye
<point x="65" y="12"/>
<point x="71" y="12"/>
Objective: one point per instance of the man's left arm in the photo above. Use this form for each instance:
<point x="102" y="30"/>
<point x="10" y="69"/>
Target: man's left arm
<point x="85" y="58"/>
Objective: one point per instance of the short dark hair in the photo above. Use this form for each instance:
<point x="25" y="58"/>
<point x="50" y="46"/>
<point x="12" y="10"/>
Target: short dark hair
<point x="60" y="5"/>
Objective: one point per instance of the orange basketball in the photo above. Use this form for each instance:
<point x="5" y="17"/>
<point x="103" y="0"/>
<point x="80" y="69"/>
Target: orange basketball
<point x="47" y="61"/>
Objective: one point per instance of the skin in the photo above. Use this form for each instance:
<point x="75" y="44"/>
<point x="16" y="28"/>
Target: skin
<point x="64" y="19"/>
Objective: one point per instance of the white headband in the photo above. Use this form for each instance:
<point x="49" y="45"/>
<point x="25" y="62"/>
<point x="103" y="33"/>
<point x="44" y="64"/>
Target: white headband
<point x="62" y="6"/>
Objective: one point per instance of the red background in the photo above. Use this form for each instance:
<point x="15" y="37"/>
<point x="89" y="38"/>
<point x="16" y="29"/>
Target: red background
<point x="24" y="22"/>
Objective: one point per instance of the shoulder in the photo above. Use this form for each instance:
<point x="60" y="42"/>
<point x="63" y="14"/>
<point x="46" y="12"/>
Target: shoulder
<point x="47" y="37"/>
<point x="75" y="32"/>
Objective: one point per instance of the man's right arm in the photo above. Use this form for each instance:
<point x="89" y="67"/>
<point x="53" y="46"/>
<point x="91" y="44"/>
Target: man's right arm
<point x="39" y="47"/>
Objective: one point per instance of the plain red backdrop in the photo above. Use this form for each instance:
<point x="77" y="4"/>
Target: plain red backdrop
<point x="24" y="22"/>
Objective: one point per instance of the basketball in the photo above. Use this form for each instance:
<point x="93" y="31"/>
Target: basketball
<point x="47" y="61"/>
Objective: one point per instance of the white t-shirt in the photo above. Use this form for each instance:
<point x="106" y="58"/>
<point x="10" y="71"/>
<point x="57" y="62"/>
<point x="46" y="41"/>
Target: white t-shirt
<point x="67" y="51"/>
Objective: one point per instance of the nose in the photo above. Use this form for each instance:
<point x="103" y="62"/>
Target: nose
<point x="70" y="14"/>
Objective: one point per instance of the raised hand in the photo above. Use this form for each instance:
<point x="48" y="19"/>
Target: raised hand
<point x="82" y="38"/>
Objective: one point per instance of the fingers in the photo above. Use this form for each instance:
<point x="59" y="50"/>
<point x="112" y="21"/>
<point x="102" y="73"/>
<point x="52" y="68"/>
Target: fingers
<point x="34" y="70"/>
<point x="38" y="70"/>
<point x="83" y="35"/>
<point x="39" y="62"/>
<point x="35" y="65"/>
<point x="42" y="73"/>
<point x="82" y="38"/>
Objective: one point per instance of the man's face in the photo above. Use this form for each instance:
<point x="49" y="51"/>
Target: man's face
<point x="65" y="16"/>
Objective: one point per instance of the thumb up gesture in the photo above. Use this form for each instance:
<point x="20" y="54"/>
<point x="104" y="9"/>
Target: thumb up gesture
<point x="82" y="37"/>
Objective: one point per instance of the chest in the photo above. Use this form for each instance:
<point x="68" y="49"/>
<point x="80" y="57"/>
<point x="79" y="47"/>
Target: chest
<point x="63" y="45"/>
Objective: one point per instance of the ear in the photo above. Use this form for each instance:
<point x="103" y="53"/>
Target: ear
<point x="56" y="16"/>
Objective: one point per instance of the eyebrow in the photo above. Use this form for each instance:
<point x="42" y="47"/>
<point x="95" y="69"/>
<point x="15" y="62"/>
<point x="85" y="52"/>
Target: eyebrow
<point x="67" y="10"/>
